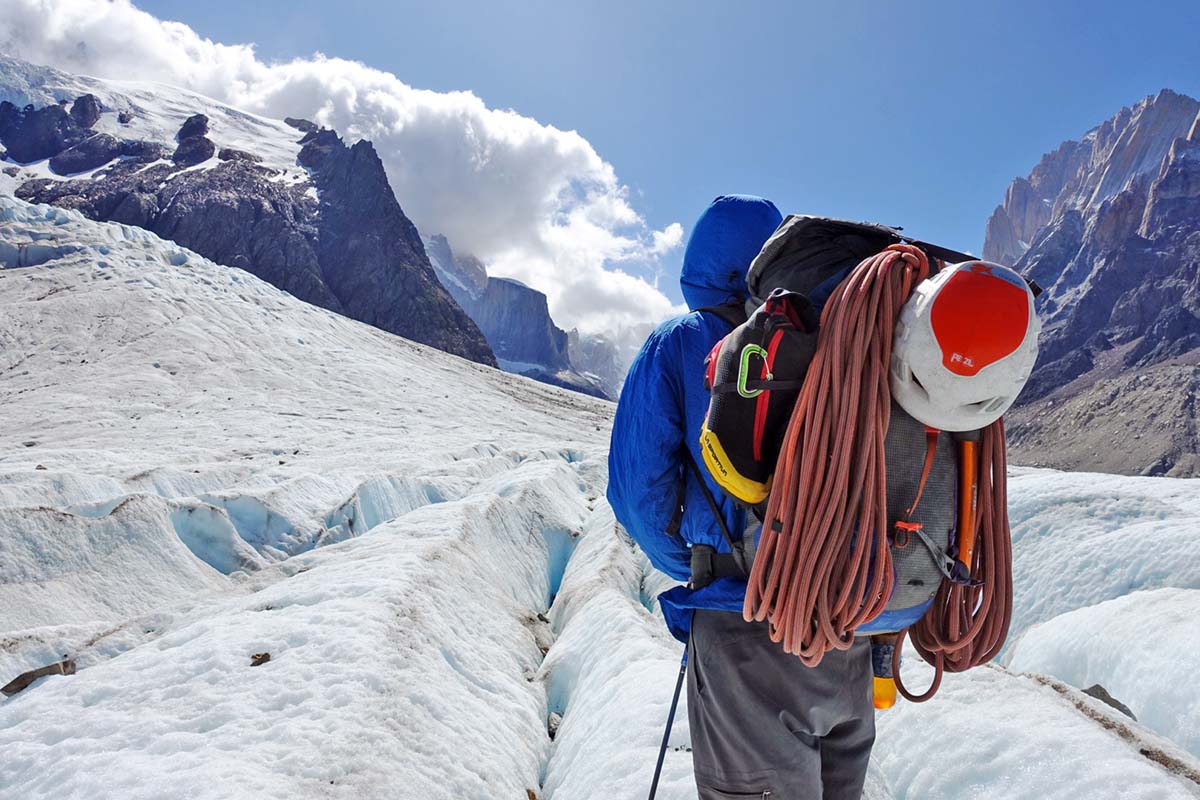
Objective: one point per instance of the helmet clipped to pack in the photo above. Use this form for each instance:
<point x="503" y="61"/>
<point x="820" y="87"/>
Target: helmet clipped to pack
<point x="965" y="344"/>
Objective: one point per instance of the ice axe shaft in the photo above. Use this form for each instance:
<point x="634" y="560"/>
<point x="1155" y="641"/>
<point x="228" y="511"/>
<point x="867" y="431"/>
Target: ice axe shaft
<point x="967" y="483"/>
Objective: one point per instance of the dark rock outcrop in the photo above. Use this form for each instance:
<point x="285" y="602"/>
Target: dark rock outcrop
<point x="353" y="251"/>
<point x="302" y="125"/>
<point x="85" y="110"/>
<point x="56" y="134"/>
<point x="194" y="145"/>
<point x="1111" y="229"/>
<point x="31" y="134"/>
<point x="27" y="679"/>
<point x="233" y="154"/>
<point x="193" y="150"/>
<point x="94" y="151"/>
<point x="1100" y="693"/>
<point x="195" y="125"/>
<point x="99" y="149"/>
<point x="142" y="151"/>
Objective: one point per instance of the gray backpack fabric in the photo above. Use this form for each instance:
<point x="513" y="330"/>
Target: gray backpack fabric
<point x="918" y="575"/>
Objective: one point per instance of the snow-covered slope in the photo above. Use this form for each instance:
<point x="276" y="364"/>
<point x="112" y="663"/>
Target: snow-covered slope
<point x="993" y="734"/>
<point x="1141" y="647"/>
<point x="154" y="112"/>
<point x="1081" y="539"/>
<point x="289" y="202"/>
<point x="196" y="468"/>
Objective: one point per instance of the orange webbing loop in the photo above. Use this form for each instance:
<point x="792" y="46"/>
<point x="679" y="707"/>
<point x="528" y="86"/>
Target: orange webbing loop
<point x="931" y="442"/>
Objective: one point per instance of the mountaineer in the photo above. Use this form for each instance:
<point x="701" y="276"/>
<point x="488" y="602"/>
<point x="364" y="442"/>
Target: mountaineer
<point x="829" y="376"/>
<point x="758" y="717"/>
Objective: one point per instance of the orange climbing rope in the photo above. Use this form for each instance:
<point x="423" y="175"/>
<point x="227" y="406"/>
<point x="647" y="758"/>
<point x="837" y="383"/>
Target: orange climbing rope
<point x="967" y="624"/>
<point x="814" y="578"/>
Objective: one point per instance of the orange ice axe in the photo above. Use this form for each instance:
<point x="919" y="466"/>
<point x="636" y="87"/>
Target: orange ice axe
<point x="967" y="485"/>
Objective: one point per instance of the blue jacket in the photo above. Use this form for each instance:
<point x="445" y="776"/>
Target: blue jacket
<point x="662" y="407"/>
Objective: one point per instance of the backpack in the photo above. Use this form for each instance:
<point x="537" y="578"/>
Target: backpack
<point x="755" y="375"/>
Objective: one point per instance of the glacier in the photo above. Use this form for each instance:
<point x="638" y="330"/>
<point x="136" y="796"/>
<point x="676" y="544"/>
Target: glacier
<point x="197" y="469"/>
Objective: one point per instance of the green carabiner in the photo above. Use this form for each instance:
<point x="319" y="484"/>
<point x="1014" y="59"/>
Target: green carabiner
<point x="744" y="370"/>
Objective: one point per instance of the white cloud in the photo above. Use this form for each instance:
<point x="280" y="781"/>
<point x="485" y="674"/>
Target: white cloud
<point x="534" y="202"/>
<point x="668" y="238"/>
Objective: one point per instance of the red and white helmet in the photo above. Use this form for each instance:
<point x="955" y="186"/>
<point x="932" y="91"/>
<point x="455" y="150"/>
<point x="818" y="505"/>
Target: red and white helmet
<point x="965" y="344"/>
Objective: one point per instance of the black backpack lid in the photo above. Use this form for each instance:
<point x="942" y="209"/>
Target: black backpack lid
<point x="806" y="250"/>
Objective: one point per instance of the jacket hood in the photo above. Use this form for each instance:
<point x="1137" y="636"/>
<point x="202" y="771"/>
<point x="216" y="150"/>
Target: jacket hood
<point x="724" y="241"/>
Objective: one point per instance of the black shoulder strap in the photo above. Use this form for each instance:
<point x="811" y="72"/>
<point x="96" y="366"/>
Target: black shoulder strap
<point x="733" y="312"/>
<point x="734" y="549"/>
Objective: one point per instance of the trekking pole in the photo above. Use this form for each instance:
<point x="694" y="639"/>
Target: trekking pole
<point x="662" y="751"/>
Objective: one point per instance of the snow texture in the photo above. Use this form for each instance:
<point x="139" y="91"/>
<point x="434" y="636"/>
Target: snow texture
<point x="197" y="468"/>
<point x="156" y="111"/>
<point x="1142" y="648"/>
<point x="1080" y="539"/>
<point x="990" y="734"/>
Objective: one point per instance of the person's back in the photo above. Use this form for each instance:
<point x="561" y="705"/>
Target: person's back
<point x="761" y="721"/>
<point x="656" y="430"/>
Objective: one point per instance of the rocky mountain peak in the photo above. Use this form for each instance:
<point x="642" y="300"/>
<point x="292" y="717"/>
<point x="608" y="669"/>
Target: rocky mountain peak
<point x="462" y="274"/>
<point x="1110" y="225"/>
<point x="1083" y="174"/>
<point x="516" y="320"/>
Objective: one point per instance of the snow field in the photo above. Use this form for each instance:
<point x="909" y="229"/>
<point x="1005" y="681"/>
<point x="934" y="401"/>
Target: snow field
<point x="1089" y="553"/>
<point x="1080" y="539"/>
<point x="991" y="734"/>
<point x="1143" y="648"/>
<point x="400" y="659"/>
<point x="158" y="111"/>
<point x="422" y="546"/>
<point x="57" y="567"/>
<point x="609" y="675"/>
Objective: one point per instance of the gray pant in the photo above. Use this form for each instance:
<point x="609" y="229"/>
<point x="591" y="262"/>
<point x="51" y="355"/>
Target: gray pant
<point x="765" y="725"/>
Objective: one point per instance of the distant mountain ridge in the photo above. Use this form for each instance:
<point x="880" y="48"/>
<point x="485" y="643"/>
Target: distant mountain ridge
<point x="293" y="205"/>
<point x="516" y="320"/>
<point x="1110" y="226"/>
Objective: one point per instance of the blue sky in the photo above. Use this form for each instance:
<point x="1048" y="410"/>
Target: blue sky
<point x="916" y="114"/>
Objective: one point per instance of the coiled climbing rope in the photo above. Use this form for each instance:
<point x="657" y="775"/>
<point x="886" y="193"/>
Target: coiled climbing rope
<point x="967" y="624"/>
<point x="816" y="577"/>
